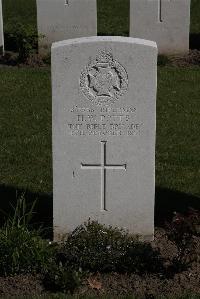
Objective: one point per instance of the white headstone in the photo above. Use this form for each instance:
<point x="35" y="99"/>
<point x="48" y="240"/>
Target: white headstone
<point x="1" y="30"/>
<point x="65" y="19"/>
<point x="167" y="22"/>
<point x="104" y="101"/>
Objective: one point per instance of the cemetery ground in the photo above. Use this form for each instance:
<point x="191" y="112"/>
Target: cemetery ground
<point x="95" y="260"/>
<point x="26" y="166"/>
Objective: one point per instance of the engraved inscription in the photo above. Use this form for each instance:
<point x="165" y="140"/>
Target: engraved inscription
<point x="103" y="167"/>
<point x="160" y="9"/>
<point x="103" y="121"/>
<point x="59" y="27"/>
<point x="104" y="80"/>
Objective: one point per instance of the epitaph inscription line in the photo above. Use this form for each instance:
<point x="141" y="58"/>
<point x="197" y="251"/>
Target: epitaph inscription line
<point x="103" y="167"/>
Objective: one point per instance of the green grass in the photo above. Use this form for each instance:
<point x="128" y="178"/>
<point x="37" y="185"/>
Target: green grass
<point x="113" y="15"/>
<point x="25" y="129"/>
<point x="195" y="17"/>
<point x="25" y="114"/>
<point x="178" y="127"/>
<point x="23" y="10"/>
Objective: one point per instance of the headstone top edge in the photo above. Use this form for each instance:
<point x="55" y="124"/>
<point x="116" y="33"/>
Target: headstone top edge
<point x="92" y="39"/>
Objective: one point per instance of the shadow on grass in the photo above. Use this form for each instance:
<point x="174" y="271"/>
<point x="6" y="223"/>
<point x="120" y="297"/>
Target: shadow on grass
<point x="43" y="211"/>
<point x="169" y="201"/>
<point x="195" y="41"/>
<point x="166" y="203"/>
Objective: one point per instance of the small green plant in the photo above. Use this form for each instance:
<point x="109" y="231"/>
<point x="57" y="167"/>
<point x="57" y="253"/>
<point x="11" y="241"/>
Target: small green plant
<point x="21" y="214"/>
<point x="23" y="39"/>
<point x="22" y="250"/>
<point x="47" y="58"/>
<point x="60" y="279"/>
<point x="163" y="60"/>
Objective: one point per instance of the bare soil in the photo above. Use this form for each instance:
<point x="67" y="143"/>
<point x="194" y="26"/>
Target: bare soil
<point x="21" y="285"/>
<point x="152" y="285"/>
<point x="191" y="59"/>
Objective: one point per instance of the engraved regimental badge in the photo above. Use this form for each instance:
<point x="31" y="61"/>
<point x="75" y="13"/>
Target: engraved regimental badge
<point x="104" y="80"/>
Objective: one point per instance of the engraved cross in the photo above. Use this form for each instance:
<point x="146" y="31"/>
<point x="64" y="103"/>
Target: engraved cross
<point x="103" y="167"/>
<point x="160" y="10"/>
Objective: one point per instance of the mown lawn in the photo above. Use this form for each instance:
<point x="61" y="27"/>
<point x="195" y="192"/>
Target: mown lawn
<point x="25" y="114"/>
<point x="178" y="127"/>
<point x="113" y="15"/>
<point x="25" y="129"/>
<point x="195" y="17"/>
<point x="21" y="10"/>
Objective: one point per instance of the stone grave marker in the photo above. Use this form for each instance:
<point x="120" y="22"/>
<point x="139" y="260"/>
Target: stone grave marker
<point x="64" y="19"/>
<point x="1" y="30"/>
<point x="167" y="22"/>
<point x="104" y="101"/>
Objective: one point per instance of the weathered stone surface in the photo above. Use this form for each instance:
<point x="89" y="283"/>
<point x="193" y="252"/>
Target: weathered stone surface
<point x="1" y="30"/>
<point x="65" y="19"/>
<point x="167" y="22"/>
<point x="104" y="101"/>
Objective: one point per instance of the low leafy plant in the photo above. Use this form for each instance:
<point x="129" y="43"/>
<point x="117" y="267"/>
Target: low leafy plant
<point x="61" y="279"/>
<point x="95" y="247"/>
<point x="21" y="214"/>
<point x="163" y="60"/>
<point x="23" y="39"/>
<point x="181" y="231"/>
<point x="22" y="250"/>
<point x="47" y="58"/>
